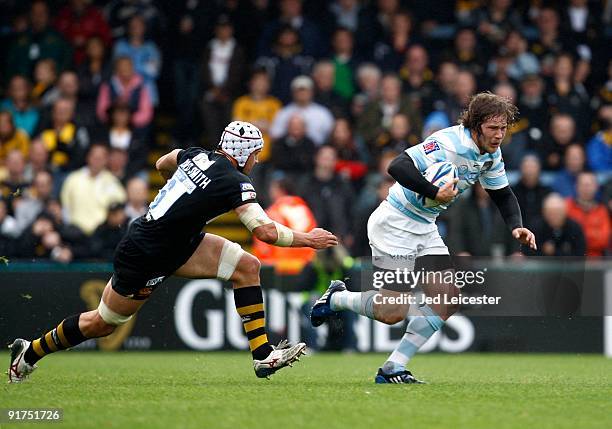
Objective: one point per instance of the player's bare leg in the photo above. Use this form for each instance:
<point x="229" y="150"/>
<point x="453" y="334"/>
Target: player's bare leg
<point x="114" y="310"/>
<point x="217" y="257"/>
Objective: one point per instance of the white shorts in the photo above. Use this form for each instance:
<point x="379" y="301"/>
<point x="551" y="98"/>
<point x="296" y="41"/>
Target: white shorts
<point x="393" y="235"/>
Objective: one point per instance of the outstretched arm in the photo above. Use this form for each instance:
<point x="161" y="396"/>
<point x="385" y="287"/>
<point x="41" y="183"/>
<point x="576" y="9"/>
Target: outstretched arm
<point x="265" y="229"/>
<point x="508" y="206"/>
<point x="167" y="164"/>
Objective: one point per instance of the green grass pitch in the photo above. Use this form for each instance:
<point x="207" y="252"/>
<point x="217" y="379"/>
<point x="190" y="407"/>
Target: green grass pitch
<point x="220" y="390"/>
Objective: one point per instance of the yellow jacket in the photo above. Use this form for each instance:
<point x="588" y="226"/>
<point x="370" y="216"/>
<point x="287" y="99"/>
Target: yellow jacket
<point x="258" y="111"/>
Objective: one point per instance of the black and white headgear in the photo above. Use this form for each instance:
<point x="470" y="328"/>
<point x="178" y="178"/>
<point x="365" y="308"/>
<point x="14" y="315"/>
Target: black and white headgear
<point x="239" y="140"/>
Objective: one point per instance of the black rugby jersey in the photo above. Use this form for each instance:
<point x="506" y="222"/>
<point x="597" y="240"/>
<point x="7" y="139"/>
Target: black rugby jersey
<point x="204" y="186"/>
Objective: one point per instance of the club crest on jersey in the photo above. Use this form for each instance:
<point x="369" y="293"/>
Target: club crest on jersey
<point x="248" y="196"/>
<point x="487" y="166"/>
<point x="246" y="187"/>
<point x="431" y="147"/>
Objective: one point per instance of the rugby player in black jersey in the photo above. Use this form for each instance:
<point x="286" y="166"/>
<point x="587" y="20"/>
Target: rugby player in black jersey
<point x="167" y="240"/>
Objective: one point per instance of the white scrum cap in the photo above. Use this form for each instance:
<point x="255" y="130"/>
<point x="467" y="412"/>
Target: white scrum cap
<point x="239" y="140"/>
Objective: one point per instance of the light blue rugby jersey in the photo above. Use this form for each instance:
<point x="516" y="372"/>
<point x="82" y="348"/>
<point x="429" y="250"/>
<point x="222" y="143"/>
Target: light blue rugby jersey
<point x="452" y="144"/>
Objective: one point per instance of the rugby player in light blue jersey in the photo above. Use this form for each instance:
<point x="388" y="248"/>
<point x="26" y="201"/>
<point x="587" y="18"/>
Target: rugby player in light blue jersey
<point x="403" y="229"/>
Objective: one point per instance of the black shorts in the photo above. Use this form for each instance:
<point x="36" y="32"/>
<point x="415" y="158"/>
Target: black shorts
<point x="427" y="263"/>
<point x="138" y="273"/>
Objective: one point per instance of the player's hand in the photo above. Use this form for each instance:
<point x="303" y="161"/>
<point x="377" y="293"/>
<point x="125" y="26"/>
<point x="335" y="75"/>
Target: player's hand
<point x="524" y="236"/>
<point x="321" y="239"/>
<point x="447" y="192"/>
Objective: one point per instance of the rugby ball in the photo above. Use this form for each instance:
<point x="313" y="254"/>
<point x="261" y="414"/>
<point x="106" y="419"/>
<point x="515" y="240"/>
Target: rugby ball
<point x="440" y="174"/>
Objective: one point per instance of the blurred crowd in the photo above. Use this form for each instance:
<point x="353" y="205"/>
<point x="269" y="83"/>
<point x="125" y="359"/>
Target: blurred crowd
<point x="339" y="88"/>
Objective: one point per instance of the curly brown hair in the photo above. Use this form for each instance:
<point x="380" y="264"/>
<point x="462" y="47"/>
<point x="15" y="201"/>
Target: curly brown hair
<point x="485" y="106"/>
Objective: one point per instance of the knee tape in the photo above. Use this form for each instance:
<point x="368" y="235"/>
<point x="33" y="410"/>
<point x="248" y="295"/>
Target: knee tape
<point x="230" y="255"/>
<point x="110" y="317"/>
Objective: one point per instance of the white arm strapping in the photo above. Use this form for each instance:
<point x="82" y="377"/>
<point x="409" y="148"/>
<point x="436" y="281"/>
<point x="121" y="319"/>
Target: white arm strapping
<point x="254" y="216"/>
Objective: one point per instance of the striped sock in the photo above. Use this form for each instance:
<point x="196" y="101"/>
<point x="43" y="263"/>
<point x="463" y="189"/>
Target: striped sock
<point x="358" y="302"/>
<point x="249" y="304"/>
<point x="67" y="334"/>
<point x="420" y="328"/>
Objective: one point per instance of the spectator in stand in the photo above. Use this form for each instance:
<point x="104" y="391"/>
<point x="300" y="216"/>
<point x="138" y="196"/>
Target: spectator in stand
<point x="118" y="164"/>
<point x="351" y="160"/>
<point x="583" y="20"/>
<point x="599" y="148"/>
<point x="368" y="87"/>
<point x="574" y="163"/>
<point x="495" y="21"/>
<point x="67" y="86"/>
<point x="292" y="154"/>
<point x="523" y="62"/>
<point x="107" y="236"/>
<point x="466" y="53"/>
<point x="50" y="237"/>
<point x="367" y="194"/>
<point x="591" y="215"/>
<point x="223" y="70"/>
<point x="11" y="138"/>
<point x="346" y="14"/>
<point x="477" y="228"/>
<point x="285" y="62"/>
<point x="192" y="27"/>
<point x="14" y="182"/>
<point x="137" y="203"/>
<point x="8" y="230"/>
<point x="39" y="41"/>
<point x="93" y="71"/>
<point x="66" y="141"/>
<point x="318" y="119"/>
<point x="293" y="212"/>
<point x="88" y="192"/>
<point x="378" y="114"/>
<point x="126" y="86"/>
<point x="562" y="133"/>
<point x="563" y="95"/>
<point x="78" y="21"/>
<point x="446" y="80"/>
<point x="329" y="195"/>
<point x="398" y="138"/>
<point x="19" y="104"/>
<point x="529" y="191"/>
<point x="45" y="77"/>
<point x="375" y="23"/>
<point x="121" y="136"/>
<point x="259" y="108"/>
<point x="417" y="78"/>
<point x="291" y="15"/>
<point x="38" y="160"/>
<point x="534" y="109"/>
<point x="345" y="61"/>
<point x="323" y="75"/>
<point x="551" y="40"/>
<point x="389" y="53"/>
<point x="144" y="53"/>
<point x="34" y="201"/>
<point x="119" y="12"/>
<point x="556" y="234"/>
